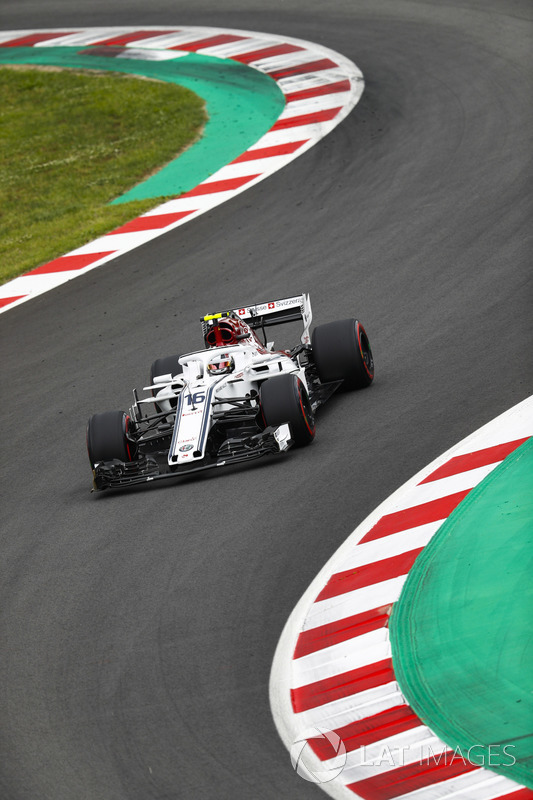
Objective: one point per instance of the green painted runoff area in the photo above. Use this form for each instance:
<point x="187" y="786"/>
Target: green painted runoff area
<point x="242" y="104"/>
<point x="461" y="631"/>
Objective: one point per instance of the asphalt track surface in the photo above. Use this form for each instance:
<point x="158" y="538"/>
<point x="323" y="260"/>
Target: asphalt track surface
<point x="138" y="629"/>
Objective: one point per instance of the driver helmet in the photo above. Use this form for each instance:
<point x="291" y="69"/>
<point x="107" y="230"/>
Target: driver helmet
<point x="221" y="364"/>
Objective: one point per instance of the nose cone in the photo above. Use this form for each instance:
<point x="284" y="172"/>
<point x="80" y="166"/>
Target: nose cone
<point x="193" y="415"/>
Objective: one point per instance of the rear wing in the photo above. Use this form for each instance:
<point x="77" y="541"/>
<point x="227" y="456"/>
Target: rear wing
<point x="275" y="312"/>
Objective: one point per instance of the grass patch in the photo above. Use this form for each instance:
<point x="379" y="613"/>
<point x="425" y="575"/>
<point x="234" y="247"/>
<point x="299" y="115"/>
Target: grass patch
<point x="70" y="143"/>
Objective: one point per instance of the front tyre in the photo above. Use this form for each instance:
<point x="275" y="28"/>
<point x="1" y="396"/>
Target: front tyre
<point x="108" y="437"/>
<point x="341" y="352"/>
<point x="164" y="366"/>
<point x="284" y="398"/>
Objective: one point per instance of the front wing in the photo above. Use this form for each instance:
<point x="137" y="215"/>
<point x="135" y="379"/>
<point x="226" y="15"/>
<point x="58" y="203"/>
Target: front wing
<point x="119" y="474"/>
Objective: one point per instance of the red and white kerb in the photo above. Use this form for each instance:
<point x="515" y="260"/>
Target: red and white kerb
<point x="333" y="668"/>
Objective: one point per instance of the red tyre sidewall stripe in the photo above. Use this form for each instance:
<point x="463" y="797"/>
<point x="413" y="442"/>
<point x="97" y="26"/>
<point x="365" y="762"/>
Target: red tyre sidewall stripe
<point x="126" y="427"/>
<point x="304" y="413"/>
<point x="359" y="329"/>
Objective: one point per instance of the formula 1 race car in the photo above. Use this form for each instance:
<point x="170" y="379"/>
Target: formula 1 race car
<point x="236" y="400"/>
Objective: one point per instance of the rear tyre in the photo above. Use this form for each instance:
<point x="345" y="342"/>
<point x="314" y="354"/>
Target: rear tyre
<point x="107" y="437"/>
<point x="341" y="352"/>
<point x="284" y="399"/>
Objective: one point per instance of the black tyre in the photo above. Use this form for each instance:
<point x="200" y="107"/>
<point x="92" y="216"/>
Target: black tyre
<point x="341" y="351"/>
<point x="164" y="366"/>
<point x="283" y="399"/>
<point x="108" y="437"/>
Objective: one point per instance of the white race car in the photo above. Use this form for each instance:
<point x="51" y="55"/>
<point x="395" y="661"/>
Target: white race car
<point x="235" y="400"/>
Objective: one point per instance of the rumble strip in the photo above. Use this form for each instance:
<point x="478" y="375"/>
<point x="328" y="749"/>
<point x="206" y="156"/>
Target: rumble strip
<point x="320" y="88"/>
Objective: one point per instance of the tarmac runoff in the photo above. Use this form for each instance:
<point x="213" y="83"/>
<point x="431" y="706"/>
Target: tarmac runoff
<point x="461" y="631"/>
